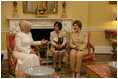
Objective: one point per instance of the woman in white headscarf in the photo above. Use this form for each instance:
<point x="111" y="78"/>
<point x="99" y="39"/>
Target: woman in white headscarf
<point x="22" y="51"/>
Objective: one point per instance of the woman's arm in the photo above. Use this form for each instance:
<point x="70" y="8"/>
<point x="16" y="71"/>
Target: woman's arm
<point x="71" y="42"/>
<point x="84" y="45"/>
<point x="64" y="39"/>
<point x="51" y="39"/>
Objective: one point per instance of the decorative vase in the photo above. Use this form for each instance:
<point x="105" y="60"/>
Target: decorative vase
<point x="64" y="10"/>
<point x="15" y="11"/>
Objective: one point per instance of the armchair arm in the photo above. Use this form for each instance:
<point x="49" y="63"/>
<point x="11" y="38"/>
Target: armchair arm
<point x="37" y="49"/>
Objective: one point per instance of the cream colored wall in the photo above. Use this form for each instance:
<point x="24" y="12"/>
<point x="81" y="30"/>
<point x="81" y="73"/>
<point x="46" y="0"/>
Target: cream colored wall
<point x="102" y="14"/>
<point x="93" y="14"/>
<point x="78" y="10"/>
<point x="98" y="39"/>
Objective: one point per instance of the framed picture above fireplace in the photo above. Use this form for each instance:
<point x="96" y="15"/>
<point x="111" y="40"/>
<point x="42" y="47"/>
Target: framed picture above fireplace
<point x="31" y="6"/>
<point x="112" y="2"/>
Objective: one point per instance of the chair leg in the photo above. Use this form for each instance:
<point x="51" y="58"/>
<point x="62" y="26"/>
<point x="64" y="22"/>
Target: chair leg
<point x="2" y="56"/>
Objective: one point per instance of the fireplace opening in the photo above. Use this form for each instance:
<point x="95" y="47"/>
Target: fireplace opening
<point x="39" y="34"/>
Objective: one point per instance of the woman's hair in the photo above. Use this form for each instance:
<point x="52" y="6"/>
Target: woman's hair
<point x="59" y="25"/>
<point x="78" y="22"/>
<point x="25" y="26"/>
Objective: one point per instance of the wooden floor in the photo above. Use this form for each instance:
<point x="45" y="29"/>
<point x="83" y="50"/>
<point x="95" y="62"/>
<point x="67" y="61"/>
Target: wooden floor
<point x="105" y="57"/>
<point x="98" y="57"/>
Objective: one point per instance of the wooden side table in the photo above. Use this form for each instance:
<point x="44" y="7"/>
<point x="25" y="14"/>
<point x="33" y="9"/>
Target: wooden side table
<point x="111" y="35"/>
<point x="114" y="46"/>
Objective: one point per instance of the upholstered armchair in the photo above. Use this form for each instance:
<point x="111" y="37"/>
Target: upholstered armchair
<point x="10" y="47"/>
<point x="90" y="57"/>
<point x="111" y="35"/>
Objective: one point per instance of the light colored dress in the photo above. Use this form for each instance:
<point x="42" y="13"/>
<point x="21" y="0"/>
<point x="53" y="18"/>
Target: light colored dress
<point x="22" y="50"/>
<point x="54" y="37"/>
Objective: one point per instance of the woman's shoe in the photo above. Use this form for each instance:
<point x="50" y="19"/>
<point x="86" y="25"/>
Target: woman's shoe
<point x="59" y="68"/>
<point x="78" y="75"/>
<point x="56" y="69"/>
<point x="73" y="75"/>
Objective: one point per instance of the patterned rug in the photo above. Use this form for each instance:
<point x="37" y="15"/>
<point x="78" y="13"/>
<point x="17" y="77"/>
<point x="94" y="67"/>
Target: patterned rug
<point x="64" y="73"/>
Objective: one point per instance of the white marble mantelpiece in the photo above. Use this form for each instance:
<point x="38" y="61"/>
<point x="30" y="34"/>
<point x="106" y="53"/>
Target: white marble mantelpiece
<point x="40" y="23"/>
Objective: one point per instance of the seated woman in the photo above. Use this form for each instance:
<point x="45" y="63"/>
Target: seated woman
<point x="22" y="51"/>
<point x="58" y="42"/>
<point x="78" y="44"/>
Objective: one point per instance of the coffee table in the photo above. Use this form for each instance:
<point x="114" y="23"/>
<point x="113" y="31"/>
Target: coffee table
<point x="99" y="71"/>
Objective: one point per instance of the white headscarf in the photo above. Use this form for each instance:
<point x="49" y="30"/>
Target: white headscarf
<point x="25" y="26"/>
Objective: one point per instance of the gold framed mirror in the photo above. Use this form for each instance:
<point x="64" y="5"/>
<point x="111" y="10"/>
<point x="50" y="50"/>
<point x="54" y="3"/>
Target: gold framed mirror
<point x="31" y="6"/>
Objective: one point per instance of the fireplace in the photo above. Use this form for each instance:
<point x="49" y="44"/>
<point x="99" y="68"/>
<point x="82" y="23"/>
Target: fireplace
<point x="39" y="34"/>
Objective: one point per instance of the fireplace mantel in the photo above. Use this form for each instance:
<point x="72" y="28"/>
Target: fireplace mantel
<point x="40" y="23"/>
